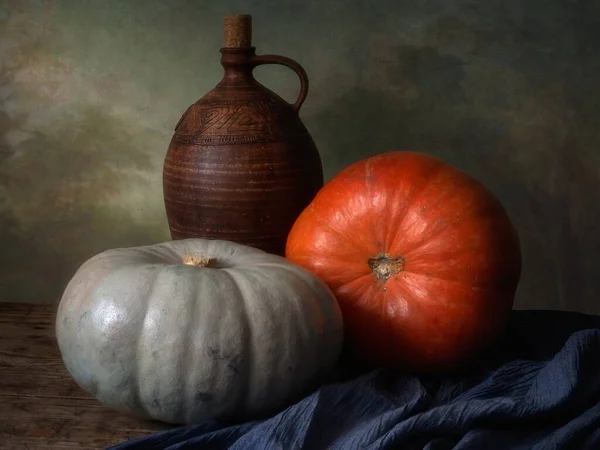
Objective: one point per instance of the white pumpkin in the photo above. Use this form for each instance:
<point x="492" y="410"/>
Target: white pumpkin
<point x="197" y="329"/>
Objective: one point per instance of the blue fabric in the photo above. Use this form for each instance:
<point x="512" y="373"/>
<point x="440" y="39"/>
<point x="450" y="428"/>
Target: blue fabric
<point x="539" y="389"/>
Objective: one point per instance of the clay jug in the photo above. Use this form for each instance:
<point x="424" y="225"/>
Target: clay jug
<point x="241" y="165"/>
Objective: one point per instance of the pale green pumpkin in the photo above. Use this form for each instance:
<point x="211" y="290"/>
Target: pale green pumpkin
<point x="195" y="329"/>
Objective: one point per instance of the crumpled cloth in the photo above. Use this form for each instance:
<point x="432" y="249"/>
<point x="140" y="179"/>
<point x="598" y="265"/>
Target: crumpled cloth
<point x="539" y="389"/>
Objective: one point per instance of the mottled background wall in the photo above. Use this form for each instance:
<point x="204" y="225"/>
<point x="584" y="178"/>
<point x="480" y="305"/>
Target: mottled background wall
<point x="507" y="90"/>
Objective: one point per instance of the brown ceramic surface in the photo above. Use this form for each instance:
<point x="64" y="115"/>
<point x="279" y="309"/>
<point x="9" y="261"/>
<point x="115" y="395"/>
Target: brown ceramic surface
<point x="241" y="165"/>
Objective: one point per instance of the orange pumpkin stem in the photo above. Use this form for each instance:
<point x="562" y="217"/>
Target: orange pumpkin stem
<point x="384" y="266"/>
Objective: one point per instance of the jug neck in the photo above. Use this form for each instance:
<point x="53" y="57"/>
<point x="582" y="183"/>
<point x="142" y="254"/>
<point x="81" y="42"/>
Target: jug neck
<point x="238" y="64"/>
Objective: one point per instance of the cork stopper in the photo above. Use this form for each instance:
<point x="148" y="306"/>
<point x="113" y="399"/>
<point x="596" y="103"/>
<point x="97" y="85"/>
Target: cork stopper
<point x="238" y="31"/>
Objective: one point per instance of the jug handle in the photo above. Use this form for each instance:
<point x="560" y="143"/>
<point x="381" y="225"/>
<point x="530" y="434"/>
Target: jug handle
<point x="259" y="60"/>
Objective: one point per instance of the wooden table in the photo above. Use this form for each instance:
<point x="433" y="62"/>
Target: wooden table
<point x="41" y="406"/>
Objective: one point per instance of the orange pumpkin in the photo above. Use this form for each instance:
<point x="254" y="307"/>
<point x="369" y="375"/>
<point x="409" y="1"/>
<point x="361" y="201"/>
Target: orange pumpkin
<point x="423" y="259"/>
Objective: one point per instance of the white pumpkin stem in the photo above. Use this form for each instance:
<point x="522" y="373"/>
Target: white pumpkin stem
<point x="198" y="260"/>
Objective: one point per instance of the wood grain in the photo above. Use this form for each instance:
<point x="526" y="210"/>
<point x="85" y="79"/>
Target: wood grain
<point x="41" y="406"/>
